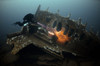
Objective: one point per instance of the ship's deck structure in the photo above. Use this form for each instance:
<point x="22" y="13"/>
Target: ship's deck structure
<point x="80" y="43"/>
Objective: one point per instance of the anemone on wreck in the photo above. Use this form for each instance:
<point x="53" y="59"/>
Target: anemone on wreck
<point x="55" y="34"/>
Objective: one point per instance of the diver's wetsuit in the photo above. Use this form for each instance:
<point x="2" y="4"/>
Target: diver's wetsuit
<point x="28" y="20"/>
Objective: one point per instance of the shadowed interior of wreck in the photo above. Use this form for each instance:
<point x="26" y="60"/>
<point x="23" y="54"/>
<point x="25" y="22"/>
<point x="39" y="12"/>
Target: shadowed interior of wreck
<point x="32" y="55"/>
<point x="36" y="54"/>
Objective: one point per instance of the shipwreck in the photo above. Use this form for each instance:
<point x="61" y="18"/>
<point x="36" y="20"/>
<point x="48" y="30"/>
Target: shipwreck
<point x="55" y="34"/>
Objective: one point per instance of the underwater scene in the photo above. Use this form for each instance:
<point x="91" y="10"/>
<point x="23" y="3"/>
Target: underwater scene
<point x="49" y="33"/>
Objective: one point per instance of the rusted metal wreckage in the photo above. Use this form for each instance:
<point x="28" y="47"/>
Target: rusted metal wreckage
<point x="72" y="37"/>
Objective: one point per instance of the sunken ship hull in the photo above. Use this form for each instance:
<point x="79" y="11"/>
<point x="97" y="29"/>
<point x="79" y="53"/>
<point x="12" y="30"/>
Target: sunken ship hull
<point x="79" y="43"/>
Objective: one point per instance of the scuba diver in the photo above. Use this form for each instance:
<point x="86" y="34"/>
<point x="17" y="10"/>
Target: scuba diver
<point x="29" y="18"/>
<point x="28" y="22"/>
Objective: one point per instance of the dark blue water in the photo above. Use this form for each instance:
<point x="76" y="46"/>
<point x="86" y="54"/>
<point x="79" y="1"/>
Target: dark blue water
<point x="14" y="10"/>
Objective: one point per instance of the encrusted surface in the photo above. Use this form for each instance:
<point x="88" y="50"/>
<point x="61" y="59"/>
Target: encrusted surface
<point x="81" y="45"/>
